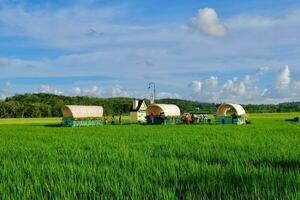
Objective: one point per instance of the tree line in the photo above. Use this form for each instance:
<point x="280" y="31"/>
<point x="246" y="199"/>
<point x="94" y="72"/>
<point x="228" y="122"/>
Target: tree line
<point x="50" y="105"/>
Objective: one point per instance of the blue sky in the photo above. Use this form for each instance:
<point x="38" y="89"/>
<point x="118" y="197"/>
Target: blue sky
<point x="213" y="51"/>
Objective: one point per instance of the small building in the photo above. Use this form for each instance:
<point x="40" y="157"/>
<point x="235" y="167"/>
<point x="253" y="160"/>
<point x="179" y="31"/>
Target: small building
<point x="138" y="112"/>
<point x="163" y="114"/>
<point x="75" y="115"/>
<point x="237" y="114"/>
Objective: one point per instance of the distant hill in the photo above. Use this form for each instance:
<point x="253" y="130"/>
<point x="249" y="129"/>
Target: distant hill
<point x="49" y="105"/>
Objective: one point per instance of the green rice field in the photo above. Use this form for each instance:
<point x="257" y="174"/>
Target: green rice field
<point x="39" y="159"/>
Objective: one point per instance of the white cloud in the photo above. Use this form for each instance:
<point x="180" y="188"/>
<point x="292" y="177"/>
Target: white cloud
<point x="45" y="89"/>
<point x="249" y="90"/>
<point x="104" y="45"/>
<point x="6" y="90"/>
<point x="130" y="46"/>
<point x="234" y="88"/>
<point x="77" y="91"/>
<point x="237" y="90"/>
<point x="247" y="79"/>
<point x="283" y="88"/>
<point x="262" y="70"/>
<point x="196" y="87"/>
<point x="93" y="91"/>
<point x="296" y="86"/>
<point x="117" y="91"/>
<point x="168" y="95"/>
<point x="48" y="89"/>
<point x="67" y="27"/>
<point x="207" y="21"/>
<point x="253" y="22"/>
<point x="211" y="82"/>
<point x="211" y="89"/>
<point x="283" y="79"/>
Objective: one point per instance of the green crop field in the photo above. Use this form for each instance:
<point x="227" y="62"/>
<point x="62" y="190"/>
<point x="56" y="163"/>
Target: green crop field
<point x="41" y="160"/>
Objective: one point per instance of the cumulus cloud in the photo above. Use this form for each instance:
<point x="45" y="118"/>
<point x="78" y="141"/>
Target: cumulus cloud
<point x="99" y="35"/>
<point x="196" y="87"/>
<point x="296" y="86"/>
<point x="95" y="91"/>
<point x="283" y="87"/>
<point x="283" y="79"/>
<point x="168" y="95"/>
<point x="92" y="91"/>
<point x="102" y="55"/>
<point x="117" y="91"/>
<point x="248" y="89"/>
<point x="262" y="70"/>
<point x="212" y="82"/>
<point x="5" y="90"/>
<point x="243" y="90"/>
<point x="211" y="89"/>
<point x="234" y="90"/>
<point x="208" y="22"/>
<point x="48" y="89"/>
<point x="207" y="90"/>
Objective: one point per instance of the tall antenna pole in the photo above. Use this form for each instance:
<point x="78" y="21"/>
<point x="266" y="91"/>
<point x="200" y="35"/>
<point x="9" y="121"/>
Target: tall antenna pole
<point x="152" y="97"/>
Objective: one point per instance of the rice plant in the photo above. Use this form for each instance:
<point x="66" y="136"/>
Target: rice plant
<point x="256" y="161"/>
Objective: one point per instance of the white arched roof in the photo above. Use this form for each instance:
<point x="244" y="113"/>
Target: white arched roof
<point x="170" y="110"/>
<point x="222" y="110"/>
<point x="75" y="111"/>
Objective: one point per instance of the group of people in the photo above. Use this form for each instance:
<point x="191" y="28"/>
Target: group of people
<point x="187" y="118"/>
<point x="204" y="118"/>
<point x="113" y="121"/>
<point x="162" y="117"/>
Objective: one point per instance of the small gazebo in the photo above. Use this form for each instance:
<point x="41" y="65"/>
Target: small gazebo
<point x="163" y="114"/>
<point x="237" y="114"/>
<point x="77" y="115"/>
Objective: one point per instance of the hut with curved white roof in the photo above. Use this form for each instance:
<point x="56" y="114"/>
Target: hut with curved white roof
<point x="163" y="113"/>
<point x="79" y="115"/>
<point x="237" y="116"/>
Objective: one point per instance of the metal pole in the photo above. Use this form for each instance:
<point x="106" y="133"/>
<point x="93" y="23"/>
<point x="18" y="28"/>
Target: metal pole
<point x="154" y="91"/>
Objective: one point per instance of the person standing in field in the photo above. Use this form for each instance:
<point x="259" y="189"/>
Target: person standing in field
<point x="120" y="119"/>
<point x="152" y="118"/>
<point x="105" y="120"/>
<point x="193" y="118"/>
<point x="113" y="119"/>
<point x="182" y="117"/>
<point x="187" y="119"/>
<point x="163" y="117"/>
